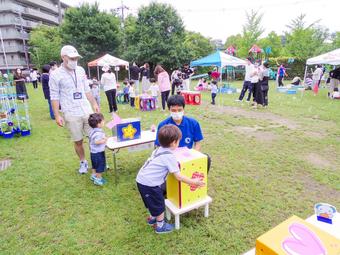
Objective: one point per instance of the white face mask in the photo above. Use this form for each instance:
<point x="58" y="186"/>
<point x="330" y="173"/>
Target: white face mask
<point x="177" y="115"/>
<point x="72" y="64"/>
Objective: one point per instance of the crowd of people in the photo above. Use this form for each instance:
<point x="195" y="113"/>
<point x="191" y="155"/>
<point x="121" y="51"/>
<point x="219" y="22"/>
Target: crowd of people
<point x="256" y="83"/>
<point x="74" y="103"/>
<point x="141" y="83"/>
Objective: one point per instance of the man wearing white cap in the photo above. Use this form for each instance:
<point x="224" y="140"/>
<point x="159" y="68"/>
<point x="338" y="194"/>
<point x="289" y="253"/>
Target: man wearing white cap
<point x="69" y="89"/>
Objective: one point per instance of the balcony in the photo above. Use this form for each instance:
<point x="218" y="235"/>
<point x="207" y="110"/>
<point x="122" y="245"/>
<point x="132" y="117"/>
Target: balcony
<point x="40" y="15"/>
<point x="42" y="4"/>
<point x="13" y="49"/>
<point x="29" y="12"/>
<point x="16" y="22"/>
<point x="14" y="34"/>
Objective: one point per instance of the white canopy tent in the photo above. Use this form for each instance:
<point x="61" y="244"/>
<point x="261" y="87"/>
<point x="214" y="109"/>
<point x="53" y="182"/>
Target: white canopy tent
<point x="109" y="60"/>
<point x="112" y="61"/>
<point x="330" y="58"/>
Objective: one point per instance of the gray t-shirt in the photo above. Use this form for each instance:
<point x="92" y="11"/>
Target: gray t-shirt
<point x="156" y="168"/>
<point x="96" y="134"/>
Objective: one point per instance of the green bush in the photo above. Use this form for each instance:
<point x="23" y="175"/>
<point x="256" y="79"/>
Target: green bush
<point x="295" y="68"/>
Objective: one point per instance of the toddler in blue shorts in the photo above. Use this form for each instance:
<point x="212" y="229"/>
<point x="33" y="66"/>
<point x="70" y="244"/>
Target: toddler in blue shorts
<point x="97" y="141"/>
<point x="154" y="172"/>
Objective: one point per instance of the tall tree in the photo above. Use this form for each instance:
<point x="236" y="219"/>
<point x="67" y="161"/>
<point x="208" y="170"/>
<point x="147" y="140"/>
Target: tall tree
<point x="251" y="32"/>
<point x="272" y="41"/>
<point x="300" y="23"/>
<point x="336" y="40"/>
<point x="45" y="45"/>
<point x="252" y="29"/>
<point x="197" y="45"/>
<point x="158" y="36"/>
<point x="91" y="31"/>
<point x="129" y="50"/>
<point x="303" y="40"/>
<point x="234" y="40"/>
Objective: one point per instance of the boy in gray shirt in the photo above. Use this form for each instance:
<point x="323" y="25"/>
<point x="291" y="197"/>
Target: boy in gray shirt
<point x="154" y="172"/>
<point x="97" y="148"/>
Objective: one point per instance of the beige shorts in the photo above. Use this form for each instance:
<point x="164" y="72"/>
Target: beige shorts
<point x="77" y="126"/>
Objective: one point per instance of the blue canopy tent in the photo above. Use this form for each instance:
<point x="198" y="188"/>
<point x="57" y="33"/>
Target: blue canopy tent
<point x="219" y="59"/>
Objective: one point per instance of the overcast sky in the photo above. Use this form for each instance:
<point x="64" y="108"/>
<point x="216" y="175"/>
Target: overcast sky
<point x="220" y="19"/>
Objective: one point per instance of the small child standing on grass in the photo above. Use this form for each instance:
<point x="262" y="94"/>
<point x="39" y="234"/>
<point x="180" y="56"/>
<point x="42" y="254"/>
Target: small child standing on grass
<point x="154" y="172"/>
<point x="132" y="93"/>
<point x="214" y="90"/>
<point x="154" y="89"/>
<point x="97" y="148"/>
<point x="126" y="91"/>
<point x="95" y="90"/>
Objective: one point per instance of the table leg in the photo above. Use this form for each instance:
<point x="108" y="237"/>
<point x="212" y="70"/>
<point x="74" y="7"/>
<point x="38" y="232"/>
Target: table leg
<point x="206" y="210"/>
<point x="177" y="221"/>
<point x="167" y="214"/>
<point x="115" y="167"/>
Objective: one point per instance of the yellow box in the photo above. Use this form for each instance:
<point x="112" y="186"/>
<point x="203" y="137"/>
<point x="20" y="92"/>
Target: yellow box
<point x="137" y="102"/>
<point x="297" y="237"/>
<point x="192" y="164"/>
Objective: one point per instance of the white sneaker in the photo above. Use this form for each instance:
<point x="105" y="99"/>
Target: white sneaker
<point x="83" y="167"/>
<point x="237" y="100"/>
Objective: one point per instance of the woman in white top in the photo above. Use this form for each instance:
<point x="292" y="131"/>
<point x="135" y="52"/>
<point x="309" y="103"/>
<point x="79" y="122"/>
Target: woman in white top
<point x="254" y="79"/>
<point x="109" y="84"/>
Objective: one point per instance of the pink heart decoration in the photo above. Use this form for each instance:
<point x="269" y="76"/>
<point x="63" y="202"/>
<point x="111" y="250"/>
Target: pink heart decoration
<point x="196" y="175"/>
<point x="303" y="242"/>
<point x="115" y="120"/>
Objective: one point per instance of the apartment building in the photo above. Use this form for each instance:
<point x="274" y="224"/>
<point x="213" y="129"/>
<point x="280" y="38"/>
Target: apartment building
<point x="17" y="18"/>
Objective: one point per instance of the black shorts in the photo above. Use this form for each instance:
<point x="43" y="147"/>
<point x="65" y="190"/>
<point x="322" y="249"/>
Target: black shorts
<point x="98" y="161"/>
<point x="153" y="199"/>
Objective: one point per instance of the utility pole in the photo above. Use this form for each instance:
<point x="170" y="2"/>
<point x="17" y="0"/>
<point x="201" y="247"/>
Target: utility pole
<point x="121" y="9"/>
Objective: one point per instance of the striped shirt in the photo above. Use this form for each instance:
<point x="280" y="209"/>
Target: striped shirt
<point x="63" y="84"/>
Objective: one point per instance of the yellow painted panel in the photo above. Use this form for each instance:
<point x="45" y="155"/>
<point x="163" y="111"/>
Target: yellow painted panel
<point x="296" y="236"/>
<point x="192" y="164"/>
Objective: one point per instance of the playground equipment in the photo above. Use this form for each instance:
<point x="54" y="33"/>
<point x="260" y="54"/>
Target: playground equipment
<point x="14" y="116"/>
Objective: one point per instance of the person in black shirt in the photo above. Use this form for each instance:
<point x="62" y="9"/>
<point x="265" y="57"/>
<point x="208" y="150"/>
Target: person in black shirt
<point x="186" y="73"/>
<point x="45" y="77"/>
<point x="145" y="73"/>
<point x="20" y="86"/>
<point x="134" y="75"/>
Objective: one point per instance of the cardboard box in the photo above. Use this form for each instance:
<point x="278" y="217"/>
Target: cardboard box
<point x="192" y="164"/>
<point x="128" y="129"/>
<point x="298" y="237"/>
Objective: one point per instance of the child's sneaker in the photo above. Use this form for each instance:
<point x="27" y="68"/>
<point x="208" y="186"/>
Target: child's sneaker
<point x="99" y="182"/>
<point x="151" y="221"/>
<point x="83" y="167"/>
<point x="166" y="228"/>
<point x="93" y="176"/>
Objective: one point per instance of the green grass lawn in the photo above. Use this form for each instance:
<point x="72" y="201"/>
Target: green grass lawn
<point x="268" y="164"/>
